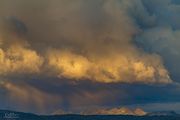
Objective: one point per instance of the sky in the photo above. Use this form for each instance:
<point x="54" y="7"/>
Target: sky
<point x="76" y="55"/>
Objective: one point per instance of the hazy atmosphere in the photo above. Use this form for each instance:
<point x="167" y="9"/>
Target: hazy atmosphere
<point x="89" y="56"/>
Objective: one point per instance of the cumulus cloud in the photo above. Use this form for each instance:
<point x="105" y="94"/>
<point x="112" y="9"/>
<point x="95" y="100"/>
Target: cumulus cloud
<point x="18" y="59"/>
<point x="79" y="41"/>
<point x="163" y="36"/>
<point x="124" y="68"/>
<point x="88" y="45"/>
<point x="16" y="56"/>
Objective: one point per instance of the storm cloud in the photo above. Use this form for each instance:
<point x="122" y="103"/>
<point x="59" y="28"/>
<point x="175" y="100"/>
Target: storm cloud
<point x="84" y="44"/>
<point x="52" y="47"/>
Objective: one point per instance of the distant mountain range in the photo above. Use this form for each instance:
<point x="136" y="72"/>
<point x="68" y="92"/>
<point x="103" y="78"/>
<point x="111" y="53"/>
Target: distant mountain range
<point x="162" y="115"/>
<point x="116" y="111"/>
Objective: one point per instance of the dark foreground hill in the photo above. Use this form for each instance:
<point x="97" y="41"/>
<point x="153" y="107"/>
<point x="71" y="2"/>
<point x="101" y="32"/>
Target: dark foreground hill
<point x="11" y="115"/>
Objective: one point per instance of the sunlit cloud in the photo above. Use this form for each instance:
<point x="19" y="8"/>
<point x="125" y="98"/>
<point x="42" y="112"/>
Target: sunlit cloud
<point x="51" y="47"/>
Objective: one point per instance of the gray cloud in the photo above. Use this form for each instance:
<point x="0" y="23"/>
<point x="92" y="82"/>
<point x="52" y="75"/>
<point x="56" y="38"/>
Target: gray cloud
<point x="69" y="50"/>
<point x="79" y="42"/>
<point x="163" y="37"/>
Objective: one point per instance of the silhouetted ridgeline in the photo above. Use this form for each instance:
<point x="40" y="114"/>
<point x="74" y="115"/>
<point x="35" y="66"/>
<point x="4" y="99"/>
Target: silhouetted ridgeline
<point x="11" y="115"/>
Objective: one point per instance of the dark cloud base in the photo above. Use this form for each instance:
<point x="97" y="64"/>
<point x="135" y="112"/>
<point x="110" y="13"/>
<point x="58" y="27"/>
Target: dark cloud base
<point x="85" y="95"/>
<point x="158" y="26"/>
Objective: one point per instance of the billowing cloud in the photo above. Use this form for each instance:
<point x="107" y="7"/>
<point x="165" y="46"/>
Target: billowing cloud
<point x="124" y="68"/>
<point x="18" y="59"/>
<point x="16" y="56"/>
<point x="161" y="35"/>
<point x="69" y="50"/>
<point x="87" y="46"/>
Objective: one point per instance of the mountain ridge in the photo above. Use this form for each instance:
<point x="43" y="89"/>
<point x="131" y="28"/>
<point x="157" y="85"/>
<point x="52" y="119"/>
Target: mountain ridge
<point x="14" y="115"/>
<point x="163" y="113"/>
